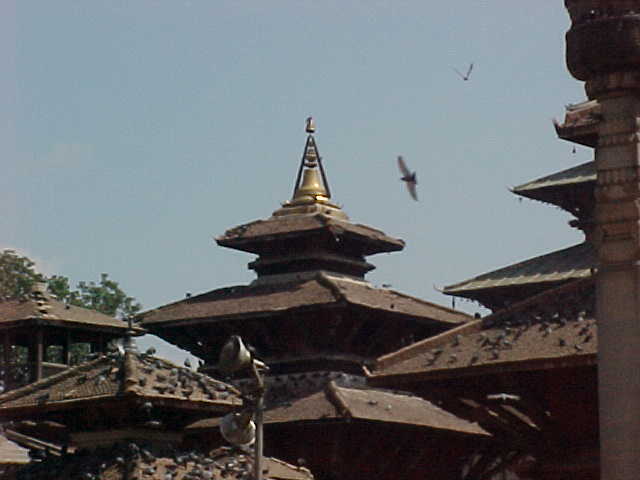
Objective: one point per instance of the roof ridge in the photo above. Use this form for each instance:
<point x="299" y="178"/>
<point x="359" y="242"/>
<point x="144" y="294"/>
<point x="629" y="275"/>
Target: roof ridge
<point x="32" y="387"/>
<point x="383" y="390"/>
<point x="333" y="395"/>
<point x="130" y="373"/>
<point x="416" y="348"/>
<point x="427" y="302"/>
<point x="326" y="281"/>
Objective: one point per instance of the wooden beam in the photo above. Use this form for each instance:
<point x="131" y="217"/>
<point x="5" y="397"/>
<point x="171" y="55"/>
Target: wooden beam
<point x="39" y="353"/>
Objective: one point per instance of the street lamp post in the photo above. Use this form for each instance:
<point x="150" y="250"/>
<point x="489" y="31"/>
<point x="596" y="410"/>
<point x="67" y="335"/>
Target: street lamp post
<point x="236" y="428"/>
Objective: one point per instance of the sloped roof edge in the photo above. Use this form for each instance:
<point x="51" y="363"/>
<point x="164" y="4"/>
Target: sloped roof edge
<point x="427" y="345"/>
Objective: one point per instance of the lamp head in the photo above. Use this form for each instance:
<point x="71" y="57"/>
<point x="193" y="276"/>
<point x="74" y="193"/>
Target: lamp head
<point x="238" y="428"/>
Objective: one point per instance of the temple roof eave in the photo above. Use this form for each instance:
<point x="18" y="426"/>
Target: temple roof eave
<point x="559" y="266"/>
<point x="254" y="237"/>
<point x="366" y="404"/>
<point x="71" y="325"/>
<point x="121" y="377"/>
<point x="320" y="290"/>
<point x="561" y="188"/>
<point x="553" y="329"/>
<point x="412" y="376"/>
<point x="48" y="309"/>
<point x="581" y="123"/>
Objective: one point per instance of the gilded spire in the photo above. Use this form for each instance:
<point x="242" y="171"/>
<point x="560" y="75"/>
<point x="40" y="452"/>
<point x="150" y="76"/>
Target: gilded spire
<point x="311" y="192"/>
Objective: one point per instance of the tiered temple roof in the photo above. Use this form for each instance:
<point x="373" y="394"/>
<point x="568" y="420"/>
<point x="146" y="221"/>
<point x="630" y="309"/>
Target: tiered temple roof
<point x="310" y="303"/>
<point x="316" y="321"/>
<point x="571" y="189"/>
<point x="549" y="330"/>
<point x="514" y="283"/>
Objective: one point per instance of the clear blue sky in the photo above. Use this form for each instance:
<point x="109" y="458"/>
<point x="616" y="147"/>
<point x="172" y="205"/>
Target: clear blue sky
<point x="135" y="131"/>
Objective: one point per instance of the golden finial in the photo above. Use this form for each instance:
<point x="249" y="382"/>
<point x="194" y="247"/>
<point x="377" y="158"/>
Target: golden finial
<point x="311" y="125"/>
<point x="311" y="190"/>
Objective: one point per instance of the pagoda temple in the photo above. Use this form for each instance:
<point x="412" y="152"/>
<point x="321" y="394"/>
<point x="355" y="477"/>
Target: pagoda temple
<point x="555" y="366"/>
<point x="573" y="191"/>
<point x="527" y="373"/>
<point x="310" y="306"/>
<point x="316" y="321"/>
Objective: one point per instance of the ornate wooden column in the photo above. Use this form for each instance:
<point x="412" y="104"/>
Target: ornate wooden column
<point x="603" y="49"/>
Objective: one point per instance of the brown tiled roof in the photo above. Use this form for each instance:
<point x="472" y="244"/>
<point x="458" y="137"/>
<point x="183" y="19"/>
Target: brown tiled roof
<point x="115" y="375"/>
<point x="367" y="404"/>
<point x="113" y="463"/>
<point x="11" y="453"/>
<point x="581" y="174"/>
<point x="555" y="328"/>
<point x="42" y="307"/>
<point x="581" y="123"/>
<point x="322" y="289"/>
<point x="559" y="266"/>
<point x="247" y="237"/>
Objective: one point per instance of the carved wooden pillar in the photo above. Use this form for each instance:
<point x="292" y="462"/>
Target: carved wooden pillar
<point x="36" y="355"/>
<point x="604" y="51"/>
<point x="617" y="284"/>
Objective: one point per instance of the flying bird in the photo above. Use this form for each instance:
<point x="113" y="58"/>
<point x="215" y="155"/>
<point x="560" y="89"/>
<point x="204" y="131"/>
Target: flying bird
<point x="465" y="76"/>
<point x="408" y="177"/>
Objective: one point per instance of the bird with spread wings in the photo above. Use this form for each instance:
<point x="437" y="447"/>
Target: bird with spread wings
<point x="408" y="177"/>
<point x="464" y="76"/>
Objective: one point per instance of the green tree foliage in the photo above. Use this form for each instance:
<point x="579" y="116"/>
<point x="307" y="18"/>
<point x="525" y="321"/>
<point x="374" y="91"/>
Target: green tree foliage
<point x="17" y="277"/>
<point x="106" y="297"/>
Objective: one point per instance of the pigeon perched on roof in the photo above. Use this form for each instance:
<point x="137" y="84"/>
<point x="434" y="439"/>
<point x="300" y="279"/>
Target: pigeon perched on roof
<point x="408" y="177"/>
